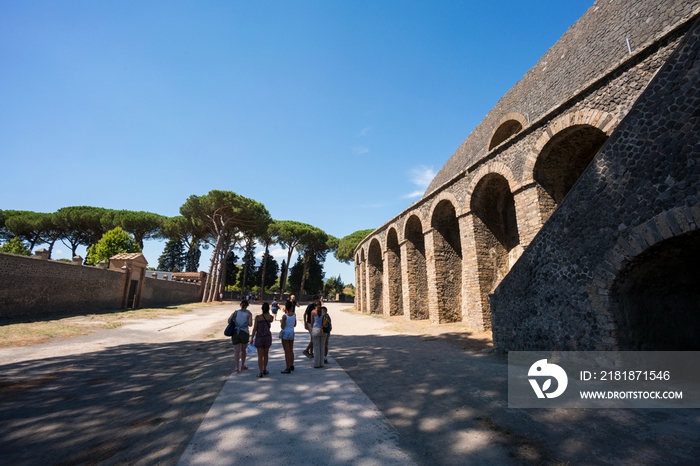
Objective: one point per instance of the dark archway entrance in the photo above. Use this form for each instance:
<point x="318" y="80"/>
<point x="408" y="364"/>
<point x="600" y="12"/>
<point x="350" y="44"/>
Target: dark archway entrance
<point x="656" y="300"/>
<point x="495" y="235"/>
<point x="562" y="161"/>
<point x="417" y="272"/>
<point x="393" y="266"/>
<point x="375" y="278"/>
<point x="448" y="262"/>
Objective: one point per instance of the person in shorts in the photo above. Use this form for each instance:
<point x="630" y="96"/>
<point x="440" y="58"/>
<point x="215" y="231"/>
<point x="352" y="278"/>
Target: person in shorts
<point x="241" y="335"/>
<point x="263" y="337"/>
<point x="289" y="321"/>
<point x="274" y="307"/>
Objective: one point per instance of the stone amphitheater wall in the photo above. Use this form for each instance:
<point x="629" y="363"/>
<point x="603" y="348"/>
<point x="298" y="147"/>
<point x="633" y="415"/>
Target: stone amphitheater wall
<point x="596" y="102"/>
<point x="632" y="216"/>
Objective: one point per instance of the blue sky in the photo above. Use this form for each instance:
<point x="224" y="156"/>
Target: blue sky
<point x="333" y="113"/>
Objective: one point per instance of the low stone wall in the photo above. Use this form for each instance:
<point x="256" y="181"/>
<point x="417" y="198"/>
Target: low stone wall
<point x="164" y="293"/>
<point x="31" y="286"/>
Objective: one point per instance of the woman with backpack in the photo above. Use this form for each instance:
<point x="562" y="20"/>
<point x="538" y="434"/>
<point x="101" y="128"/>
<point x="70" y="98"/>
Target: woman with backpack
<point x="241" y="319"/>
<point x="263" y="337"/>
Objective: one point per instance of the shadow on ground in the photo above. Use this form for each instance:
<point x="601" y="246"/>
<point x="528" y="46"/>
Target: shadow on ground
<point x="140" y="402"/>
<point x="450" y="407"/>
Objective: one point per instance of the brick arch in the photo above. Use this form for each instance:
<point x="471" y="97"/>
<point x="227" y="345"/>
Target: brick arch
<point x="375" y="276"/>
<point x="416" y="268"/>
<point x="447" y="260"/>
<point x="666" y="227"/>
<point x="491" y="168"/>
<point x="444" y="196"/>
<point x="508" y="126"/>
<point x="495" y="233"/>
<point x="361" y="292"/>
<point x="604" y="121"/>
<point x="392" y="273"/>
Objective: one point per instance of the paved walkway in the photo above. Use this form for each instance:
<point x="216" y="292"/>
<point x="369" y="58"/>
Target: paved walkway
<point x="161" y="391"/>
<point x="309" y="417"/>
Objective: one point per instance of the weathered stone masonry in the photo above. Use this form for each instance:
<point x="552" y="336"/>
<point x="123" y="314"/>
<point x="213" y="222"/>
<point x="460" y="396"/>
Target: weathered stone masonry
<point x="516" y="171"/>
<point x="32" y="286"/>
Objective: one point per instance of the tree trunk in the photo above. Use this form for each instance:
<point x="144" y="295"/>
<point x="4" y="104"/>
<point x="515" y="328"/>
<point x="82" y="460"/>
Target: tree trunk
<point x="285" y="272"/>
<point x="264" y="269"/>
<point x="303" y="274"/>
<point x="51" y="248"/>
<point x="213" y="268"/>
<point x="222" y="273"/>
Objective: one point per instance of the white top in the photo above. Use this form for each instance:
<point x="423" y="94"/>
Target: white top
<point x="289" y="323"/>
<point x="242" y="320"/>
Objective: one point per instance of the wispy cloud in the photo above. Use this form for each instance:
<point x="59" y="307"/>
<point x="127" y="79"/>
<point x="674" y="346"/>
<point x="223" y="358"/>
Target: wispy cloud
<point x="420" y="176"/>
<point x="363" y="132"/>
<point x="359" y="150"/>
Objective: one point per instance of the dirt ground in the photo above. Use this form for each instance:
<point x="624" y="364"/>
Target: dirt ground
<point x="136" y="394"/>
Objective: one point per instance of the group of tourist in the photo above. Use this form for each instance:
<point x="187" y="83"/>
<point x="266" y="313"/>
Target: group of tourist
<point x="316" y="321"/>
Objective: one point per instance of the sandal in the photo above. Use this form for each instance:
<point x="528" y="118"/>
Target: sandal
<point x="287" y="371"/>
<point x="244" y="367"/>
<point x="260" y="374"/>
<point x="265" y="372"/>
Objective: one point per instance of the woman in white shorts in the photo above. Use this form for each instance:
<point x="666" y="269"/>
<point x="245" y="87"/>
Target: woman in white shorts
<point x="289" y="321"/>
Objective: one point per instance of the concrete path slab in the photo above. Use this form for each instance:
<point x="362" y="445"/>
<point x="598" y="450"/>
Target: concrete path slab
<point x="309" y="417"/>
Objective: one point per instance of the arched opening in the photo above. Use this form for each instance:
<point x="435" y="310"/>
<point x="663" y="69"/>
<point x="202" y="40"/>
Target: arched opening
<point x="495" y="235"/>
<point x="448" y="262"/>
<point x="656" y="299"/>
<point x="417" y="271"/>
<point x="562" y="161"/>
<point x="393" y="265"/>
<point x="505" y="131"/>
<point x="375" y="277"/>
<point x="358" y="283"/>
<point x="363" y="282"/>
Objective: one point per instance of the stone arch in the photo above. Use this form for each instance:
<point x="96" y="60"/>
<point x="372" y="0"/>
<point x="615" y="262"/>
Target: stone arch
<point x="447" y="253"/>
<point x="496" y="236"/>
<point x="563" y="152"/>
<point x="493" y="168"/>
<point x="417" y="272"/>
<point x="445" y="196"/>
<point x="646" y="287"/>
<point x="362" y="293"/>
<point x="393" y="273"/>
<point x="375" y="277"/>
<point x="507" y="127"/>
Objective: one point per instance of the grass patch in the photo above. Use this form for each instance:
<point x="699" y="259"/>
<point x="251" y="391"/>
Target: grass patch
<point x="32" y="333"/>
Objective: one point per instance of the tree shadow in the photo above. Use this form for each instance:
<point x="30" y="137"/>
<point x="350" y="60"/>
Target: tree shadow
<point x="451" y="407"/>
<point x="138" y="402"/>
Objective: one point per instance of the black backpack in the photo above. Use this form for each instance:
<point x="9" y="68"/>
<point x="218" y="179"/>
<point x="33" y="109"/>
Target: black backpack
<point x="327" y="327"/>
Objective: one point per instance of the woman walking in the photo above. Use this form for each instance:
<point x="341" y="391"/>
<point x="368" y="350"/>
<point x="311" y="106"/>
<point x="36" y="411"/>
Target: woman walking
<point x="263" y="337"/>
<point x="319" y="338"/>
<point x="243" y="319"/>
<point x="289" y="321"/>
